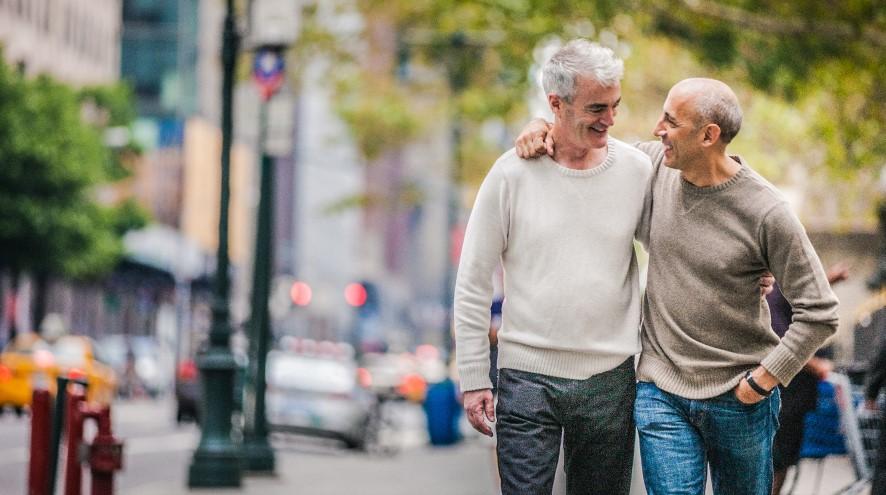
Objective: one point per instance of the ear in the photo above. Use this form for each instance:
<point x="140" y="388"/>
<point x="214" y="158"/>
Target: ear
<point x="711" y="134"/>
<point x="556" y="103"/>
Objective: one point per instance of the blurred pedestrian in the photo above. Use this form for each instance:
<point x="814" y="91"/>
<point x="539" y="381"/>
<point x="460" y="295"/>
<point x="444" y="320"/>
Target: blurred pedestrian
<point x="801" y="395"/>
<point x="494" y="325"/>
<point x="443" y="410"/>
<point x="710" y="360"/>
<point x="564" y="232"/>
<point x="876" y="381"/>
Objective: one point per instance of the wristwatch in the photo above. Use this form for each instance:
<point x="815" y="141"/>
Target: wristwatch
<point x="757" y="388"/>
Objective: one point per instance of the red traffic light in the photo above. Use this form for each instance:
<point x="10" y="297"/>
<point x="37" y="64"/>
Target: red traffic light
<point x="301" y="294"/>
<point x="355" y="294"/>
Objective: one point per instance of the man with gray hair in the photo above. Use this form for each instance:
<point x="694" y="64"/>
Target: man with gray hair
<point x="707" y="376"/>
<point x="563" y="229"/>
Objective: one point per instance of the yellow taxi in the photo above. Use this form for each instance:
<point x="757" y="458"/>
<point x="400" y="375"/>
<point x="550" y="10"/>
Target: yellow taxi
<point x="25" y="362"/>
<point x="75" y="357"/>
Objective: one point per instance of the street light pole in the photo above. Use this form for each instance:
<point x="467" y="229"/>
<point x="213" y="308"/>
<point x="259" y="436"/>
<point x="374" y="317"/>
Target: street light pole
<point x="257" y="452"/>
<point x="273" y="27"/>
<point x="462" y="54"/>
<point x="217" y="462"/>
<point x="452" y="215"/>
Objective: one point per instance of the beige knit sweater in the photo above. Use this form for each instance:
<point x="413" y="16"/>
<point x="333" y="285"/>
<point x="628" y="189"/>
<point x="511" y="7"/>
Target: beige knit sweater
<point x="705" y="322"/>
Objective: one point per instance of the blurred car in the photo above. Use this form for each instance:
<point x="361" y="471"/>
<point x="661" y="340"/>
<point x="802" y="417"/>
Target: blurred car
<point x="319" y="396"/>
<point x="141" y="365"/>
<point x="76" y="356"/>
<point x="188" y="389"/>
<point x="25" y="362"/>
<point x="395" y="376"/>
<point x="187" y="392"/>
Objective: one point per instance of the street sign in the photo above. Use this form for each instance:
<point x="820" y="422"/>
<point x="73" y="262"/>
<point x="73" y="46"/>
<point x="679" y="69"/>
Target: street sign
<point x="268" y="70"/>
<point x="274" y="22"/>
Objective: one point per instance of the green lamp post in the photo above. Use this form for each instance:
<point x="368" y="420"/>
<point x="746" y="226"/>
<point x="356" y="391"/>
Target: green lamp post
<point x="461" y="53"/>
<point x="217" y="461"/>
<point x="258" y="455"/>
<point x="273" y="27"/>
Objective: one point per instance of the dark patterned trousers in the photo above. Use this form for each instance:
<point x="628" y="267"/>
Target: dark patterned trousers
<point x="594" y="418"/>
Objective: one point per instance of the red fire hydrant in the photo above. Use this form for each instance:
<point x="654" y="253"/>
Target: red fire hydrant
<point x="104" y="456"/>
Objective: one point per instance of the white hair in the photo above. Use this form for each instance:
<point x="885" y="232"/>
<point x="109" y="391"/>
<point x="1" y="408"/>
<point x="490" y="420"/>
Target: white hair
<point x="721" y="109"/>
<point x="580" y="57"/>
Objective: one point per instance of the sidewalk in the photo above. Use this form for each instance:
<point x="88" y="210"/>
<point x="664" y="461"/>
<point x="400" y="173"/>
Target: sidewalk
<point x="463" y="469"/>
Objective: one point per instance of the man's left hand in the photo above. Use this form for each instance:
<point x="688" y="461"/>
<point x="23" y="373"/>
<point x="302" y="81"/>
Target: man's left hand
<point x="767" y="284"/>
<point x="746" y="395"/>
<point x="535" y="140"/>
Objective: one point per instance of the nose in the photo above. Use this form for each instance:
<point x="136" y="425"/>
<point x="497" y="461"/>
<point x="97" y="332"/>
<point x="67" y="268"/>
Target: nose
<point x="659" y="129"/>
<point x="609" y="117"/>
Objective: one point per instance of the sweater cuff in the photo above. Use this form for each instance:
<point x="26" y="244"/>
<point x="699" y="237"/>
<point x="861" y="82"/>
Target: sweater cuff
<point x="474" y="377"/>
<point x="783" y="364"/>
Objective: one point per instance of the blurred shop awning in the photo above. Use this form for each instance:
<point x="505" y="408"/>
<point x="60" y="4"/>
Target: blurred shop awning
<point x="164" y="248"/>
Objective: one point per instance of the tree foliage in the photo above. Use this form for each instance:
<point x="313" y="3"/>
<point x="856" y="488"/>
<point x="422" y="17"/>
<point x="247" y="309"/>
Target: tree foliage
<point x="52" y="161"/>
<point x="809" y="73"/>
<point x="829" y="53"/>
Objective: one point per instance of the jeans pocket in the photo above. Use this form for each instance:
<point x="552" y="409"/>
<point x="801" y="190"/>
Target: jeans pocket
<point x="731" y="397"/>
<point x="775" y="407"/>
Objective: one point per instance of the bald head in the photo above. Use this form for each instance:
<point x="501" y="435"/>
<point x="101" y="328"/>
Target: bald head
<point x="713" y="102"/>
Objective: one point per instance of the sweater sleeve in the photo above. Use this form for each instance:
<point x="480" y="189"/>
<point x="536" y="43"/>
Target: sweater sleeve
<point x="485" y="241"/>
<point x="789" y="255"/>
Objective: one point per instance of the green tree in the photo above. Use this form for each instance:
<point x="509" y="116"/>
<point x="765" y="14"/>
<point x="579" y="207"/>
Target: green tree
<point x="807" y="53"/>
<point x="52" y="161"/>
<point x="810" y="74"/>
<point x="829" y="54"/>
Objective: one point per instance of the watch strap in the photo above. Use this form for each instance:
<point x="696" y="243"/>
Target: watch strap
<point x="754" y="385"/>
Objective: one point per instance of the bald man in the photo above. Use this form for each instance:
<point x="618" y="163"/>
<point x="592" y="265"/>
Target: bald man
<point x="711" y="363"/>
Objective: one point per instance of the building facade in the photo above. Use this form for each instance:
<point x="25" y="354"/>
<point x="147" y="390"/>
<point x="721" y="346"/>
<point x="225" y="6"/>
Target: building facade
<point x="75" y="41"/>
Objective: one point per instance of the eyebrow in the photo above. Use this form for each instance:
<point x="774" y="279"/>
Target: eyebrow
<point x="602" y="105"/>
<point x="670" y="117"/>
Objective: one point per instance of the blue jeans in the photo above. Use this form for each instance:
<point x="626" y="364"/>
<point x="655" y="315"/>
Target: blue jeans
<point x="680" y="437"/>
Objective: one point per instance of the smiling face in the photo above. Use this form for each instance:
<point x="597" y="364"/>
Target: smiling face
<point x="677" y="129"/>
<point x="587" y="119"/>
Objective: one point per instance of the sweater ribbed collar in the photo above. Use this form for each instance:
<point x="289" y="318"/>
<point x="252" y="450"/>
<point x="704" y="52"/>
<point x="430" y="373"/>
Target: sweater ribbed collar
<point x="693" y="189"/>
<point x="588" y="172"/>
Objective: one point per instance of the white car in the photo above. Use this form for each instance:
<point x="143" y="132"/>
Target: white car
<point x="319" y="396"/>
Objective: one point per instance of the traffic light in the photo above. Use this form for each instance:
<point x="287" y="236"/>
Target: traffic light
<point x="300" y="293"/>
<point x="364" y="297"/>
<point x="355" y="294"/>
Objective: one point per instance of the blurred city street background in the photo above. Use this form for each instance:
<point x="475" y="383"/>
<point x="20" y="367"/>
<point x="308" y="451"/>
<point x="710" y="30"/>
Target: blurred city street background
<point x="283" y="186"/>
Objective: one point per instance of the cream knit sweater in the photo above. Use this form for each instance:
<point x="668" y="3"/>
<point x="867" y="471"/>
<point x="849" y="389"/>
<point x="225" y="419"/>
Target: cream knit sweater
<point x="565" y="240"/>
